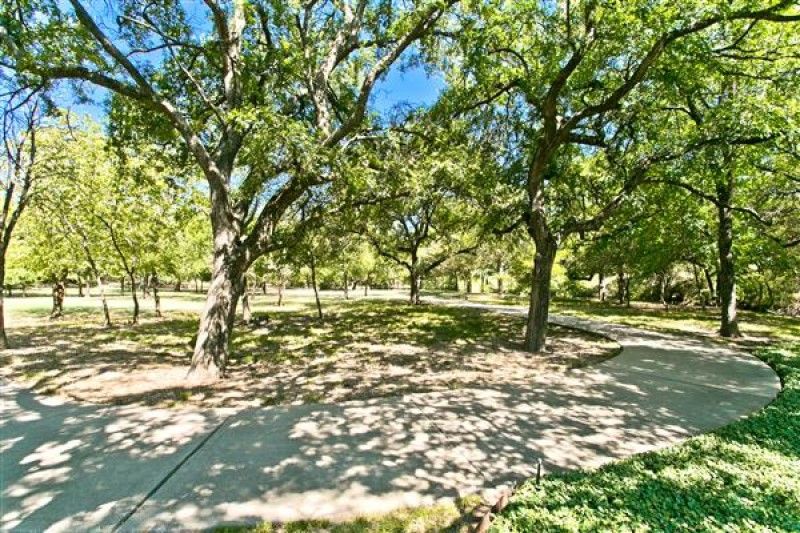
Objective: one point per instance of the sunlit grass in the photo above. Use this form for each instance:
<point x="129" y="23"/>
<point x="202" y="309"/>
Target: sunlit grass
<point x="456" y="517"/>
<point x="743" y="477"/>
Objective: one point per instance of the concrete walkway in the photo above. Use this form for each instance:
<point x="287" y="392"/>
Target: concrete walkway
<point x="68" y="467"/>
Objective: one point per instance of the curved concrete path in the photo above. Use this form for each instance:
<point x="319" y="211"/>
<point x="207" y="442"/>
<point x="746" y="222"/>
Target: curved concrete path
<point x="71" y="467"/>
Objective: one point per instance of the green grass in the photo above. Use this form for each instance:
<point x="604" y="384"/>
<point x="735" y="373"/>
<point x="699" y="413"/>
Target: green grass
<point x="450" y="517"/>
<point x="675" y="319"/>
<point x="743" y="477"/>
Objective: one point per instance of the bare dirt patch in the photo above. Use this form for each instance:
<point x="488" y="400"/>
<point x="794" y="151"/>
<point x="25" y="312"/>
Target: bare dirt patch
<point x="361" y="350"/>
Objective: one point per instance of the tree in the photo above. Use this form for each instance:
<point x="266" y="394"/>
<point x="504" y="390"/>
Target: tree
<point x="591" y="57"/>
<point x="432" y="212"/>
<point x="21" y="120"/>
<point x="264" y="100"/>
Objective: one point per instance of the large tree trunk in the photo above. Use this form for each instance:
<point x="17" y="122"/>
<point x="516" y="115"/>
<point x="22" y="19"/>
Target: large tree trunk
<point x="539" y="306"/>
<point x="178" y="285"/>
<point x="726" y="286"/>
<point x="212" y="344"/>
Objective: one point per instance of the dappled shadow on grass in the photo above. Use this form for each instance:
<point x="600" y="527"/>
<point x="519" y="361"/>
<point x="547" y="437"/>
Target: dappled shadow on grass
<point x="361" y="349"/>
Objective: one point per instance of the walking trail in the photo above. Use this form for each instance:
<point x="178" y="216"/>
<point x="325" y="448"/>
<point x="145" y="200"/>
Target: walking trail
<point x="69" y="467"/>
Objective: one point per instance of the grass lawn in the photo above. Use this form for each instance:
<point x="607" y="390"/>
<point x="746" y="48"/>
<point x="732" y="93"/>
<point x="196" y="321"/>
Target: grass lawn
<point x="362" y="349"/>
<point x="757" y="328"/>
<point x="743" y="477"/>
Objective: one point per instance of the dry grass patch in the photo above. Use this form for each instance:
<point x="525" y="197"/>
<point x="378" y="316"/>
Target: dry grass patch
<point x="364" y="349"/>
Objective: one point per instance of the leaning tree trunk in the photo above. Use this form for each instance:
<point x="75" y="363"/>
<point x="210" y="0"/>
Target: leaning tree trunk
<point x="726" y="286"/>
<point x="539" y="306"/>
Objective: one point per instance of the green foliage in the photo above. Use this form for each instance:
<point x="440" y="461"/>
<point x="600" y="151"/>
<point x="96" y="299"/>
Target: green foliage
<point x="745" y="476"/>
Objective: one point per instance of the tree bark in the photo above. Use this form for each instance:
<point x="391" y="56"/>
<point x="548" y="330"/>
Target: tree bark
<point x="3" y="336"/>
<point x="101" y="288"/>
<point x="280" y="293"/>
<point x="178" y="285"/>
<point x="212" y="345"/>
<point x="601" y="286"/>
<point x="346" y="286"/>
<point x="156" y="296"/>
<point x="58" y="300"/>
<point x="414" y="281"/>
<point x="314" y="285"/>
<point x="729" y="326"/>
<point x="621" y="286"/>
<point x="539" y="305"/>
<point x="132" y="279"/>
<point x="80" y="285"/>
<point x="247" y="314"/>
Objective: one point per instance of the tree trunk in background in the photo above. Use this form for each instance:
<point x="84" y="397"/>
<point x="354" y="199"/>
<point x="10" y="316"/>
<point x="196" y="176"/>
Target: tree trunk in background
<point x="414" y="282"/>
<point x="145" y="284"/>
<point x="196" y="286"/>
<point x="662" y="289"/>
<point x="3" y="337"/>
<point x="178" y="285"/>
<point x="366" y="288"/>
<point x="621" y="286"/>
<point x="280" y="293"/>
<point x="58" y="300"/>
<point x="726" y="286"/>
<point x="264" y="288"/>
<point x="101" y="288"/>
<point x="156" y="297"/>
<point x="601" y="287"/>
<point x="712" y="293"/>
<point x="469" y="283"/>
<point x="247" y="314"/>
<point x="314" y="285"/>
<point x="539" y="305"/>
<point x="80" y="286"/>
<point x="346" y="286"/>
<point x="132" y="279"/>
<point x="122" y="285"/>
<point x="628" y="291"/>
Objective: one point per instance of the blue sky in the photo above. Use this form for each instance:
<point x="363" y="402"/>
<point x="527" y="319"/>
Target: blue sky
<point x="410" y="86"/>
